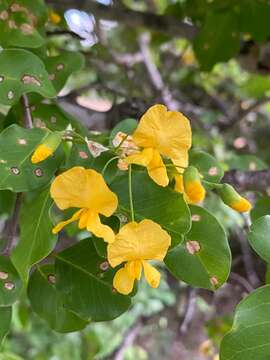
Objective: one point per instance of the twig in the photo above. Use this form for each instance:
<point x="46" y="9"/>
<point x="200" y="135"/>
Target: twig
<point x="10" y="229"/>
<point x="28" y="121"/>
<point x="242" y="281"/>
<point x="129" y="339"/>
<point x="189" y="311"/>
<point x="248" y="180"/>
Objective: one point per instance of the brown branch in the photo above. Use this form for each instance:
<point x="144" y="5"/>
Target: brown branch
<point x="10" y="229"/>
<point x="28" y="121"/>
<point x="248" y="180"/>
<point x="159" y="23"/>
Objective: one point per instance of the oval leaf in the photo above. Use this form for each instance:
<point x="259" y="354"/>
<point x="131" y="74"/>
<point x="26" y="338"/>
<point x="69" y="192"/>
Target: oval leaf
<point x="208" y="166"/>
<point x="86" y="288"/>
<point x="17" y="173"/>
<point x="5" y="316"/>
<point x="261" y="208"/>
<point x="259" y="239"/>
<point x="22" y="72"/>
<point x="49" y="304"/>
<point x="249" y="336"/>
<point x="204" y="258"/>
<point x="36" y="238"/>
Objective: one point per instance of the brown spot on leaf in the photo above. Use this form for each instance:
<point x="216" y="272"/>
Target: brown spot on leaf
<point x="30" y="80"/>
<point x="3" y="161"/>
<point x="104" y="266"/>
<point x="83" y="155"/>
<point x="193" y="247"/>
<point x="3" y="275"/>
<point x="214" y="281"/>
<point x="9" y="285"/>
<point x="15" y="170"/>
<point x="51" y="278"/>
<point x="53" y="119"/>
<point x="123" y="218"/>
<point x="2" y="78"/>
<point x="38" y="172"/>
<point x="22" y="142"/>
<point x="195" y="217"/>
<point x="10" y="95"/>
<point x="51" y="77"/>
<point x="3" y="15"/>
<point x="60" y="67"/>
<point x="12" y="24"/>
<point x="213" y="171"/>
<point x="27" y="29"/>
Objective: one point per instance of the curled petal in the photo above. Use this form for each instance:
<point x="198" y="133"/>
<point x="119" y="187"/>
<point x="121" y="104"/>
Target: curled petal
<point x="151" y="274"/>
<point x="157" y="170"/>
<point x="134" y="268"/>
<point x="95" y="226"/>
<point x="123" y="282"/>
<point x="62" y="224"/>
<point x="142" y="158"/>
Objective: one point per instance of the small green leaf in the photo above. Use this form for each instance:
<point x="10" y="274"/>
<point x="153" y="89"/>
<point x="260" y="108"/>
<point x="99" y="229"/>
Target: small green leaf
<point x="17" y="173"/>
<point x="22" y="72"/>
<point x="204" y="258"/>
<point x="36" y="238"/>
<point x="49" y="304"/>
<point x="162" y="205"/>
<point x="86" y="286"/>
<point x="261" y="208"/>
<point x="10" y="283"/>
<point x="217" y="43"/>
<point x="249" y="336"/>
<point x="62" y="66"/>
<point x="208" y="166"/>
<point x="5" y="316"/>
<point x="259" y="239"/>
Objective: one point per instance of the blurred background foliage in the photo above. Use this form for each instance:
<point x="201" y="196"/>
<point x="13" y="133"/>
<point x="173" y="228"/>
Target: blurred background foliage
<point x="210" y="60"/>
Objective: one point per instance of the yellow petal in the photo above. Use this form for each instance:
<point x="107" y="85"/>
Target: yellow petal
<point x="195" y="191"/>
<point x="41" y="153"/>
<point x="157" y="170"/>
<point x="179" y="183"/>
<point x="95" y="226"/>
<point x="151" y="274"/>
<point x="139" y="241"/>
<point x="123" y="282"/>
<point x="142" y="158"/>
<point x="83" y="188"/>
<point x="134" y="268"/>
<point x="62" y="224"/>
<point x="242" y="205"/>
<point x="169" y="132"/>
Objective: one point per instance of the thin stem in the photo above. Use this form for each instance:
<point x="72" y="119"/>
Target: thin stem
<point x="28" y="121"/>
<point x="130" y="192"/>
<point x="108" y="163"/>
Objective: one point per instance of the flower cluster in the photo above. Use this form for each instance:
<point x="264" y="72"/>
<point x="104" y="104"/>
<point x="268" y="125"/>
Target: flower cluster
<point x="161" y="142"/>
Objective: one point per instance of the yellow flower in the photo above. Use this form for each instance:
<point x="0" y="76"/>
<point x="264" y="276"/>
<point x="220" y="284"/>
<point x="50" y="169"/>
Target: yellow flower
<point x="134" y="245"/>
<point x="189" y="184"/>
<point x="161" y="132"/>
<point x="41" y="153"/>
<point x="241" y="205"/>
<point x="54" y="17"/>
<point x="85" y="189"/>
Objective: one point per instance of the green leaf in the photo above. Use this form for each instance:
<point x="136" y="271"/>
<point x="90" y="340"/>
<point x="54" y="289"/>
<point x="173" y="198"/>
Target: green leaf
<point x="259" y="239"/>
<point x="49" y="304"/>
<point x="204" y="258"/>
<point x="261" y="208"/>
<point x="208" y="166"/>
<point x="62" y="66"/>
<point x="36" y="238"/>
<point x="217" y="43"/>
<point x="22" y="23"/>
<point x="246" y="162"/>
<point x="22" y="72"/>
<point x="162" y="205"/>
<point x="17" y="173"/>
<point x="126" y="126"/>
<point x="10" y="283"/>
<point x="256" y="86"/>
<point x="249" y="336"/>
<point x="5" y="316"/>
<point x="86" y="288"/>
<point x="253" y="18"/>
<point x="7" y="200"/>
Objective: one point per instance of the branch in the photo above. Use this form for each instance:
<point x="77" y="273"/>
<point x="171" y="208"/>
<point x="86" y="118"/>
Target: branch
<point x="159" y="23"/>
<point x="248" y="180"/>
<point x="10" y="229"/>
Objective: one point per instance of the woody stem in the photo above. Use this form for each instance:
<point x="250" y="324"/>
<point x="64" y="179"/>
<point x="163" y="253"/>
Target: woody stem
<point x="130" y="192"/>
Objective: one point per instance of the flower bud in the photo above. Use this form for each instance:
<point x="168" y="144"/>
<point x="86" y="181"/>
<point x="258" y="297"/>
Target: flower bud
<point x="47" y="147"/>
<point x="193" y="186"/>
<point x="54" y="17"/>
<point x="231" y="198"/>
